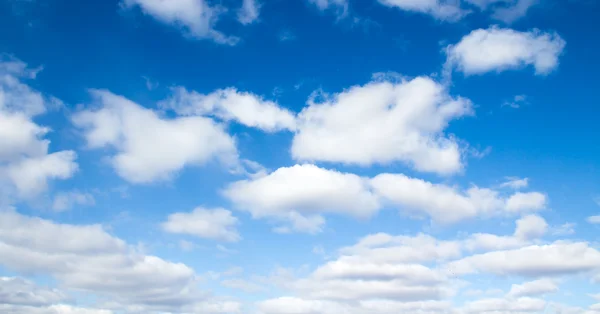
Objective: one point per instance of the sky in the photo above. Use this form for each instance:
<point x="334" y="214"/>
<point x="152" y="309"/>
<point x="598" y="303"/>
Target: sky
<point x="299" y="156"/>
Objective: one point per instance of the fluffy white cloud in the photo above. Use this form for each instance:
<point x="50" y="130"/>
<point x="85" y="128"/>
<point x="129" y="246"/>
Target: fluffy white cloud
<point x="249" y="12"/>
<point x="446" y="204"/>
<point x="382" y="122"/>
<point x="448" y="10"/>
<point x="594" y="219"/>
<point x="532" y="288"/>
<point x="558" y="258"/>
<point x="229" y="104"/>
<point x="26" y="165"/>
<point x="218" y="224"/>
<point x="30" y="175"/>
<point x="196" y="17"/>
<point x="299" y="194"/>
<point x="86" y="256"/>
<point x="148" y="147"/>
<point x="500" y="49"/>
<point x="66" y="200"/>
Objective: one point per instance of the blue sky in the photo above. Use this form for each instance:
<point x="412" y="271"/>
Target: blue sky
<point x="299" y="156"/>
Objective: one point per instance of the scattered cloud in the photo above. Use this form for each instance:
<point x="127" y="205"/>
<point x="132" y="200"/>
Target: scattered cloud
<point x="217" y="224"/>
<point x="516" y="102"/>
<point x="499" y="49"/>
<point x="26" y="163"/>
<point x="88" y="255"/>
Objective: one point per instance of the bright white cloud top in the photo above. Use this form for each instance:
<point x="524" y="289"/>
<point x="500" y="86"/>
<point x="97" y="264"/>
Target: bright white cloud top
<point x="383" y="122"/>
<point x="499" y="49"/>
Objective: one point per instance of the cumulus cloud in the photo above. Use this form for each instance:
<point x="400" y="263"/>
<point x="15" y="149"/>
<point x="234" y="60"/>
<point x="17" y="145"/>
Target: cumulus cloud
<point x="448" y="10"/>
<point x="446" y="204"/>
<point x="196" y="18"/>
<point x="148" y="147"/>
<point x="87" y="255"/>
<point x="218" y="224"/>
<point x="384" y="273"/>
<point x="498" y="49"/>
<point x="26" y="163"/>
<point x="301" y="194"/>
<point x="230" y="104"/>
<point x="555" y="259"/>
<point x="383" y="122"/>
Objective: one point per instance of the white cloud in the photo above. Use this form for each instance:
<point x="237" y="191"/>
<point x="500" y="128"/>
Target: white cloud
<point x="229" y="104"/>
<point x="218" y="224"/>
<point x="448" y="10"/>
<point x="558" y="258"/>
<point x="148" y="147"/>
<point x="86" y="256"/>
<point x="528" y="229"/>
<point x="519" y="202"/>
<point x="66" y="200"/>
<point x="30" y="175"/>
<point x="533" y="288"/>
<point x="500" y="49"/>
<point x="26" y="165"/>
<point x="379" y="274"/>
<point x="299" y="194"/>
<point x="249" y="12"/>
<point x="594" y="219"/>
<point x="196" y="17"/>
<point x="515" y="183"/>
<point x="383" y="122"/>
<point x="520" y="305"/>
<point x="446" y="204"/>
